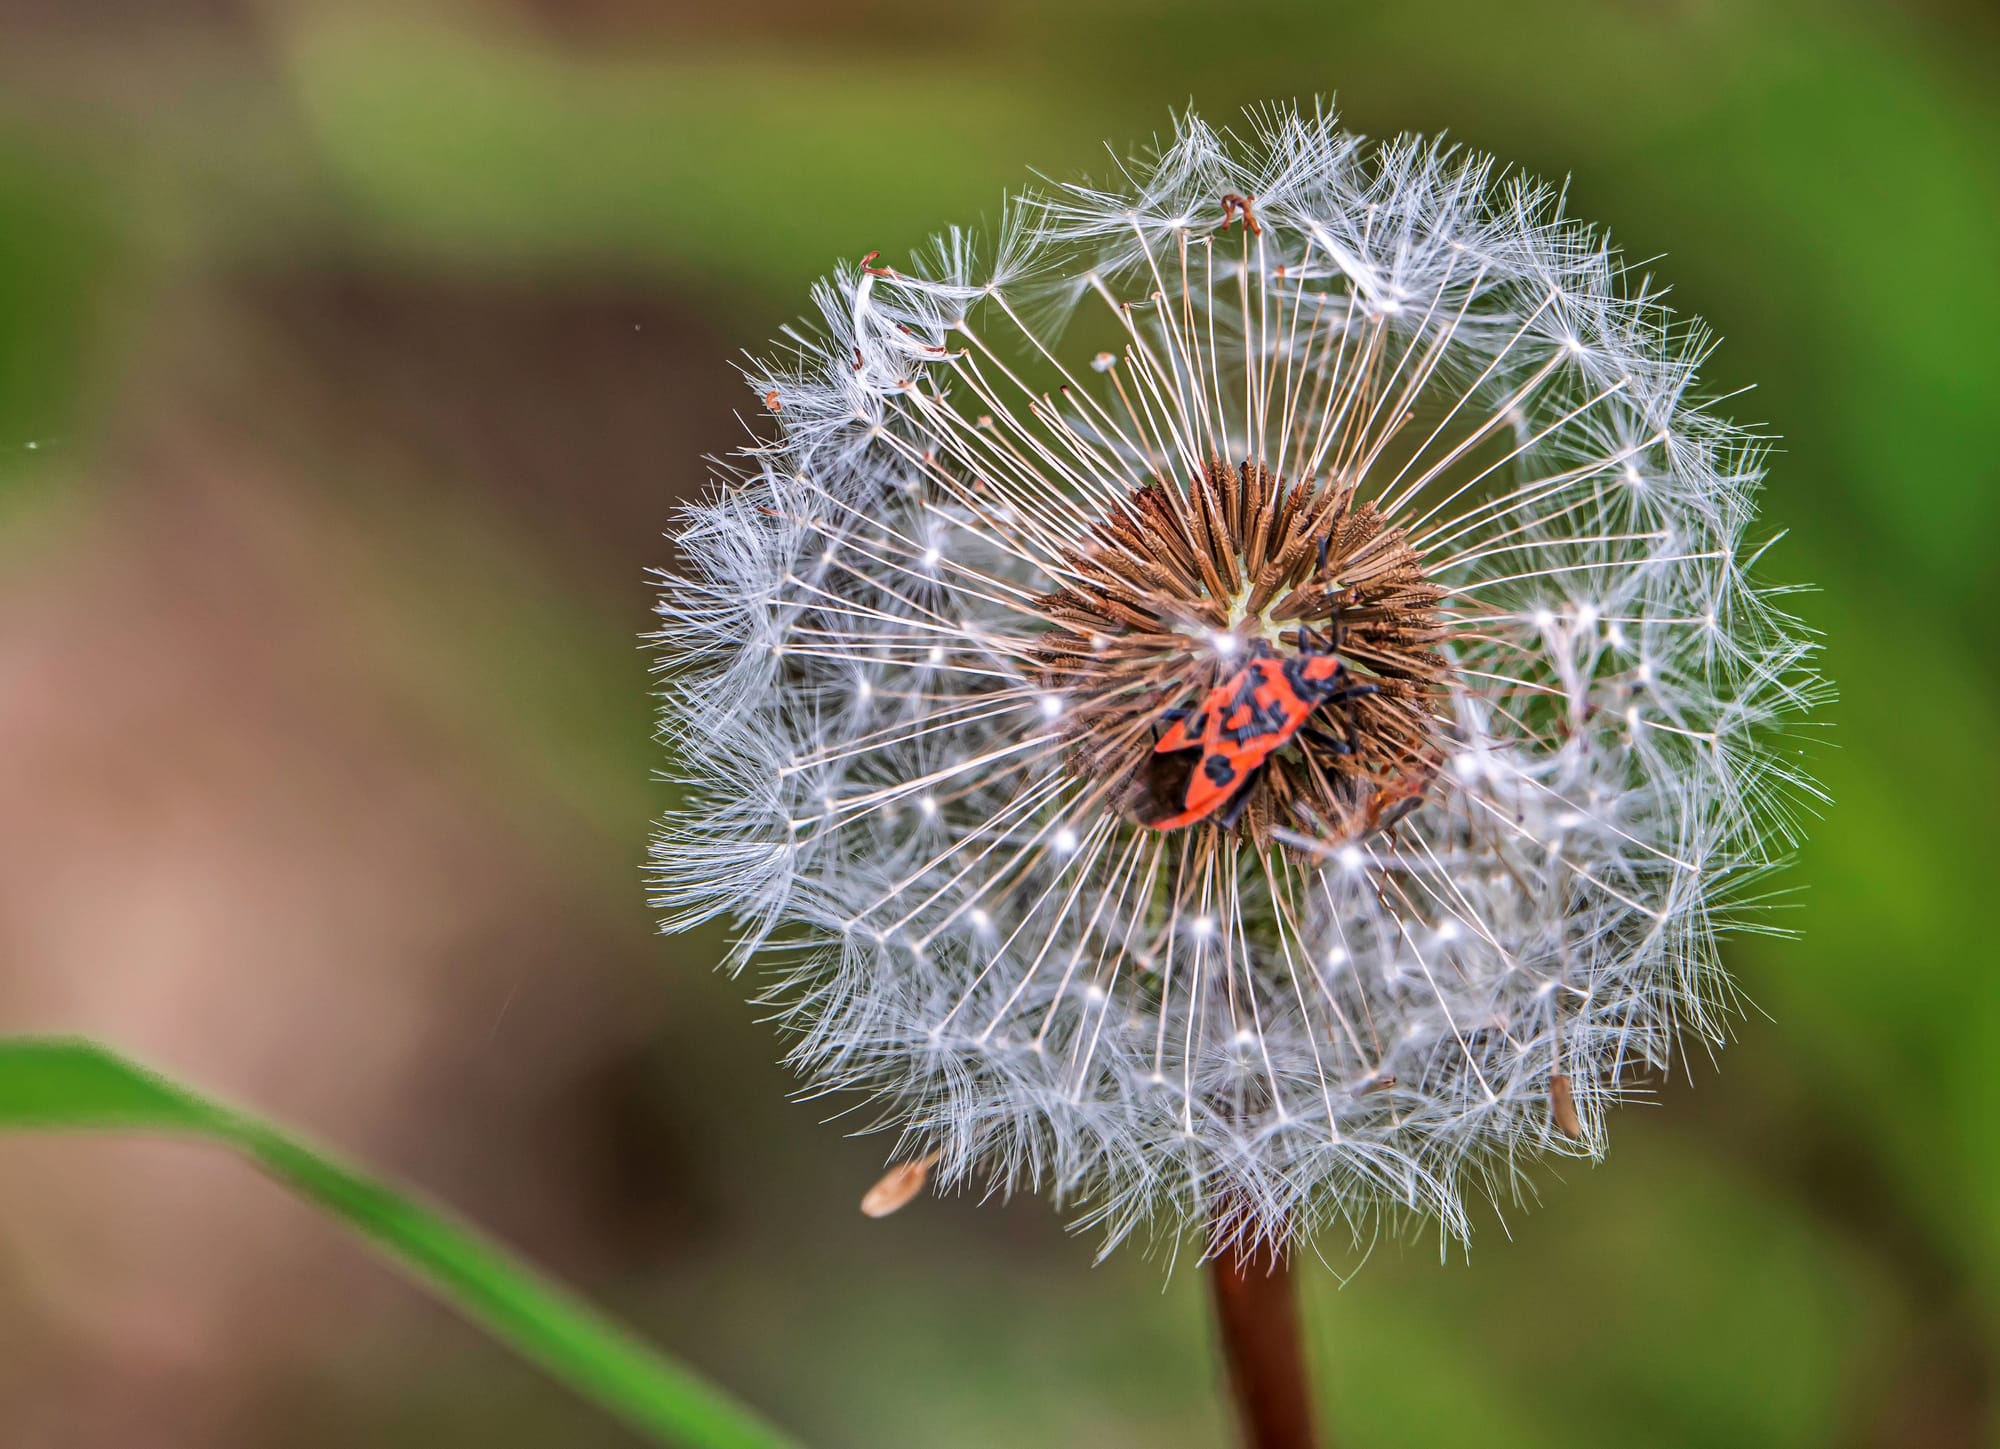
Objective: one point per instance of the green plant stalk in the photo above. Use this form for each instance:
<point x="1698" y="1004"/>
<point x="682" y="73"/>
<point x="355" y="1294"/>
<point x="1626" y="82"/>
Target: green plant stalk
<point x="56" y="1083"/>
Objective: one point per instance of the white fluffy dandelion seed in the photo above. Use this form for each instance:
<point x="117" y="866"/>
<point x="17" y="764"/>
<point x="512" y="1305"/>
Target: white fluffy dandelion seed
<point x="1244" y="708"/>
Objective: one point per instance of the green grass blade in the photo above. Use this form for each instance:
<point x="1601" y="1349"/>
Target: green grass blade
<point x="50" y="1083"/>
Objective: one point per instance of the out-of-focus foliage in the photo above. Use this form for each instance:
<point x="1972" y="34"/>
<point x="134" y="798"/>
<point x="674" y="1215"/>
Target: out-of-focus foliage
<point x="1800" y="1248"/>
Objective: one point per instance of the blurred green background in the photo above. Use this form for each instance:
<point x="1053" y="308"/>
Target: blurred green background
<point x="352" y="361"/>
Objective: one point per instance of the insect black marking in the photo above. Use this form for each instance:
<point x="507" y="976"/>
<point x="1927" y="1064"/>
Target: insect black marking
<point x="1259" y="717"/>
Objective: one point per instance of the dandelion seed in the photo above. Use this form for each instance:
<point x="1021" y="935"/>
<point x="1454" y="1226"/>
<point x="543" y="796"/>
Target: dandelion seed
<point x="1278" y="790"/>
<point x="1562" y="1107"/>
<point x="897" y="1187"/>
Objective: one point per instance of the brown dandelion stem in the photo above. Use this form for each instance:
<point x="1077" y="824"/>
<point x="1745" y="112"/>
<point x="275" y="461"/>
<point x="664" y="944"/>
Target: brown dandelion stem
<point x="1257" y="1328"/>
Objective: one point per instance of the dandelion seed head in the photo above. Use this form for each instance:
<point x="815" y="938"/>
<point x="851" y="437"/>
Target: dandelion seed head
<point x="938" y="670"/>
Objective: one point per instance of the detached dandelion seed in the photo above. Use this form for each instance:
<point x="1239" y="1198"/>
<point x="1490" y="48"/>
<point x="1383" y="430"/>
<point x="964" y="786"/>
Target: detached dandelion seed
<point x="1243" y="708"/>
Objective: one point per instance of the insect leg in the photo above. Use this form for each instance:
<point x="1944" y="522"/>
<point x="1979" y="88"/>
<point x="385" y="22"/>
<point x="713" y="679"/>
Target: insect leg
<point x="1233" y="811"/>
<point x="1352" y="692"/>
<point x="1327" y="741"/>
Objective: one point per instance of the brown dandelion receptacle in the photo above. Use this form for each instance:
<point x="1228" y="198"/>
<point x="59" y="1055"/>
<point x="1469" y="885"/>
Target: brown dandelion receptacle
<point x="1178" y="587"/>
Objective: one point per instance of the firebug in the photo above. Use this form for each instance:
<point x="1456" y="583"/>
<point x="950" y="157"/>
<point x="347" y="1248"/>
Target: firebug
<point x="1243" y="720"/>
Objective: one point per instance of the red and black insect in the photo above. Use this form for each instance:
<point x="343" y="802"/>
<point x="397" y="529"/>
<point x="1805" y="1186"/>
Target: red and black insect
<point x="1241" y="722"/>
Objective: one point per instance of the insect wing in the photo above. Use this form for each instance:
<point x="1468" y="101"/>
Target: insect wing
<point x="1201" y="730"/>
<point x="1186" y="732"/>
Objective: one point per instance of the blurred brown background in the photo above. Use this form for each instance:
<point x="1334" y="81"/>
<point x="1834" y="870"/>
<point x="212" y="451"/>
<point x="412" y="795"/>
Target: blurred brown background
<point x="352" y="361"/>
